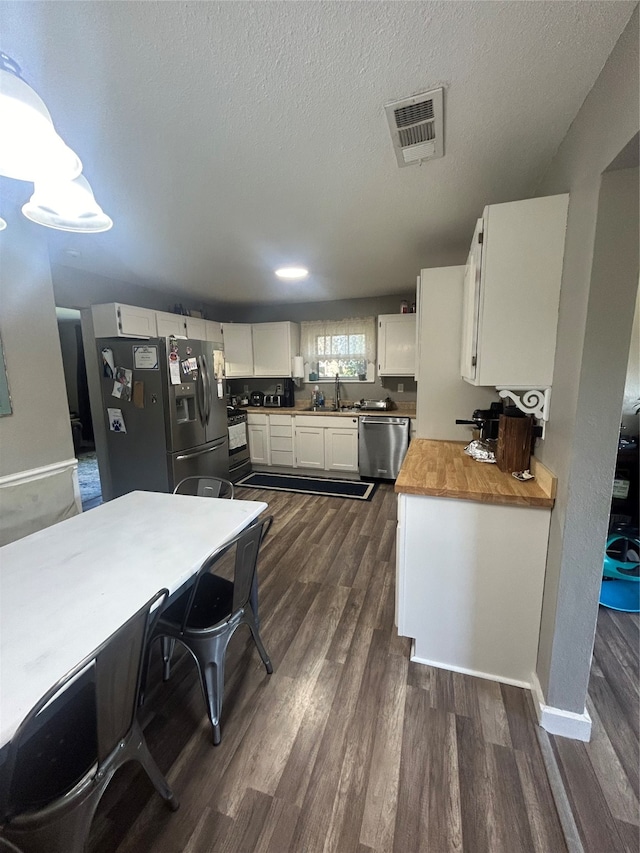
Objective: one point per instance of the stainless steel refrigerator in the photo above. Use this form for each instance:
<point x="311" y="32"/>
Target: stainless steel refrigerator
<point x="165" y="411"/>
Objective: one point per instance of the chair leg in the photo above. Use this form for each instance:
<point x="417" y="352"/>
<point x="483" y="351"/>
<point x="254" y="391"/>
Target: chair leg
<point x="210" y="659"/>
<point x="144" y="757"/>
<point x="168" y="645"/>
<point x="255" y="633"/>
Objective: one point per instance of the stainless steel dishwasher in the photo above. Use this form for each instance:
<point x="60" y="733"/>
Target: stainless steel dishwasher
<point x="382" y="444"/>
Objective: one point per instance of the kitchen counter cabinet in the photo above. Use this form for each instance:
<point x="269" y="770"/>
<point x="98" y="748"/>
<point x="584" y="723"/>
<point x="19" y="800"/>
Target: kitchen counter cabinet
<point x="309" y="447"/>
<point x="341" y="449"/>
<point x="258" y="435"/>
<point x="470" y="562"/>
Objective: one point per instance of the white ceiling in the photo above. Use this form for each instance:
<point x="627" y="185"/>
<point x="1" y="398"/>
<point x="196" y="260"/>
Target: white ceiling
<point x="228" y="138"/>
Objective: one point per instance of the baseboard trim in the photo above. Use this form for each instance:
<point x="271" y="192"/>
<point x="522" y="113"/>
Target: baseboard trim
<point x="38" y="473"/>
<point x="475" y="672"/>
<point x="556" y="721"/>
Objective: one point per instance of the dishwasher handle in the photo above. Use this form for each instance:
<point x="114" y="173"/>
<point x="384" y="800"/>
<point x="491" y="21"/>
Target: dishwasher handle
<point x="381" y="421"/>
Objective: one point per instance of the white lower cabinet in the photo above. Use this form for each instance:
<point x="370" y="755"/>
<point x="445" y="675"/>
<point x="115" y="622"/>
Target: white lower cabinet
<point x="281" y="440"/>
<point x="258" y="433"/>
<point x="309" y="443"/>
<point x="326" y="443"/>
<point x="341" y="449"/>
<point x="469" y="583"/>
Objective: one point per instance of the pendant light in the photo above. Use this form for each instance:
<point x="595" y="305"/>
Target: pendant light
<point x="67" y="206"/>
<point x="30" y="148"/>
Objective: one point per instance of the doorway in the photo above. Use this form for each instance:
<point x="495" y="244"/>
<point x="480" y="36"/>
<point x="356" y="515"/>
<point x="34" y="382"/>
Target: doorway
<point x="81" y="424"/>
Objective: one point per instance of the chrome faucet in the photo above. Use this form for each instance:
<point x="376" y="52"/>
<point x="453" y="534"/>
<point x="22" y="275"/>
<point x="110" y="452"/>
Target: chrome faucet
<point x="336" y="395"/>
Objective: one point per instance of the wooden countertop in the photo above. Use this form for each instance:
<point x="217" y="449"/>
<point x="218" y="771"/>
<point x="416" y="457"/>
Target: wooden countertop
<point x="443" y="469"/>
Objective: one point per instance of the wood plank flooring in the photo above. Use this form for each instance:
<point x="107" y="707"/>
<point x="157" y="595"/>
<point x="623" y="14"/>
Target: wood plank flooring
<point x="601" y="777"/>
<point x="348" y="747"/>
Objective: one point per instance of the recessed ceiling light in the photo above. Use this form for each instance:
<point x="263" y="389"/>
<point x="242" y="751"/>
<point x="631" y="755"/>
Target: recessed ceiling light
<point x="292" y="272"/>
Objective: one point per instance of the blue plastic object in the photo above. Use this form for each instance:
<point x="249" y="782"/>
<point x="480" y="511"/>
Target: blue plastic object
<point x="620" y="588"/>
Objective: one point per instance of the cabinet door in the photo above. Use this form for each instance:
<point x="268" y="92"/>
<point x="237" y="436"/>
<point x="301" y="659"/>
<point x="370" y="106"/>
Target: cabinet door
<point x="397" y="345"/>
<point x="271" y="349"/>
<point x="238" y="349"/>
<point x="471" y="306"/>
<point x="341" y="450"/>
<point x="213" y="330"/>
<point x="259" y="443"/>
<point x="196" y="328"/>
<point x="113" y="320"/>
<point x="169" y="324"/>
<point x="309" y="447"/>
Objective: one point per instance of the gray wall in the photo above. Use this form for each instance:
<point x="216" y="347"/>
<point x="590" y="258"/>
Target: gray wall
<point x="297" y="311"/>
<point x="599" y="284"/>
<point x="38" y="433"/>
<point x="630" y="419"/>
<point x="386" y="386"/>
<point x="74" y="288"/>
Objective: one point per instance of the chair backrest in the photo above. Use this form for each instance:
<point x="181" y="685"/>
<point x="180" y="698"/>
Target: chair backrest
<point x="79" y="721"/>
<point x="205" y="487"/>
<point x="247" y="546"/>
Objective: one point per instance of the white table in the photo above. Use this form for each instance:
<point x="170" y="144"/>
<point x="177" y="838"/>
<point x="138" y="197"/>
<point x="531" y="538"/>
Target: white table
<point x="66" y="589"/>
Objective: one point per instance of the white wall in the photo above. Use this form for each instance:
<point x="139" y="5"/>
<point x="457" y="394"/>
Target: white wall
<point x="632" y="382"/>
<point x="37" y="435"/>
<point x="599" y="283"/>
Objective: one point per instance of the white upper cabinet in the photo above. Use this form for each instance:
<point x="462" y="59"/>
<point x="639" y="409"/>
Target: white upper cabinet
<point x="238" y="349"/>
<point x="261" y="349"/>
<point x="397" y="345"/>
<point x="170" y="324"/>
<point x="512" y="292"/>
<point x="274" y="346"/>
<point x="114" y="320"/>
<point x="196" y="328"/>
<point x="213" y="331"/>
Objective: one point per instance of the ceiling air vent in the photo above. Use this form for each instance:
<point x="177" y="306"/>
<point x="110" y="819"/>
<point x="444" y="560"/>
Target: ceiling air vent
<point x="416" y="127"/>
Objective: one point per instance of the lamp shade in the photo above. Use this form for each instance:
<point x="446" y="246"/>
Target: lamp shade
<point x="67" y="206"/>
<point x="3" y="224"/>
<point x="30" y="148"/>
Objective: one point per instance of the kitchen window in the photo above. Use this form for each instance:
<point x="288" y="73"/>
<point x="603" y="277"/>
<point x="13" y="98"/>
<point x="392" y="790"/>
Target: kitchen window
<point x="346" y="347"/>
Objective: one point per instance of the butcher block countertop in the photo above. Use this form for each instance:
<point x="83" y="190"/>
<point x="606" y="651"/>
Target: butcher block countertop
<point x="443" y="469"/>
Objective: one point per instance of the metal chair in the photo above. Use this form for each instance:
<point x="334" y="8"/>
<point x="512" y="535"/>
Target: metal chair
<point x="205" y="487"/>
<point x="68" y="747"/>
<point x="205" y="617"/>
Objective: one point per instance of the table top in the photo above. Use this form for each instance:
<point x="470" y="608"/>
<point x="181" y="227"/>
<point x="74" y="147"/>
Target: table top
<point x="67" y="588"/>
<point x="443" y="469"/>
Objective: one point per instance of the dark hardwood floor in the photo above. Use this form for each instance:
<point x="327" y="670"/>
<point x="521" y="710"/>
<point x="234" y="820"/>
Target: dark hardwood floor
<point x="348" y="746"/>
<point x="601" y="777"/>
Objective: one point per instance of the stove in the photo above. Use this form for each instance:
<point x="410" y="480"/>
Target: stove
<point x="239" y="455"/>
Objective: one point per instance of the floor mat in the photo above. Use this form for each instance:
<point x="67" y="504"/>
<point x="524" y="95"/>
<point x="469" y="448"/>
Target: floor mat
<point x="353" y="489"/>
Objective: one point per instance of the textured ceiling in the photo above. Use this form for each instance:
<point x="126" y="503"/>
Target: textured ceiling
<point x="228" y="138"/>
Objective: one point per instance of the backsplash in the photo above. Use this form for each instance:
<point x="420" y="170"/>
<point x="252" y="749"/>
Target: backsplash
<point x="386" y="386"/>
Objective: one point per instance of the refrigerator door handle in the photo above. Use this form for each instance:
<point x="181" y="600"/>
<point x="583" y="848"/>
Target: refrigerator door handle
<point x="207" y="390"/>
<point x="184" y="456"/>
<point x="200" y="394"/>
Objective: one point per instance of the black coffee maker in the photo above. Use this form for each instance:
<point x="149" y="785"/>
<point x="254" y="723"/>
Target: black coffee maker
<point x="487" y="421"/>
<point x="288" y="400"/>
